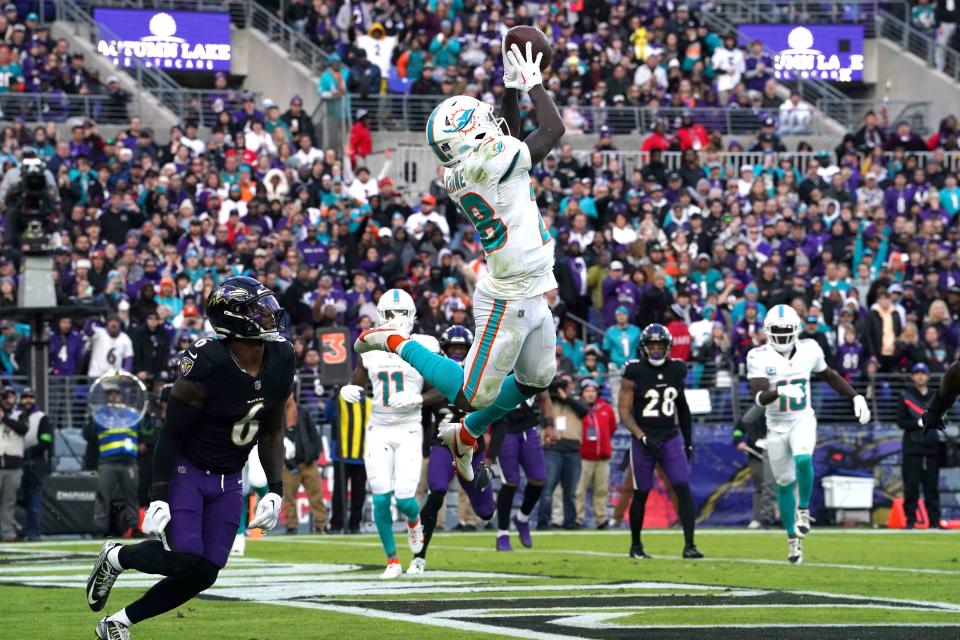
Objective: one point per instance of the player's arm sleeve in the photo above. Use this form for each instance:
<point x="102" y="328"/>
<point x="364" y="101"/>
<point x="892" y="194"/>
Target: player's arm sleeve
<point x="546" y="136"/>
<point x="760" y="391"/>
<point x="183" y="411"/>
<point x="684" y="419"/>
<point x="947" y="394"/>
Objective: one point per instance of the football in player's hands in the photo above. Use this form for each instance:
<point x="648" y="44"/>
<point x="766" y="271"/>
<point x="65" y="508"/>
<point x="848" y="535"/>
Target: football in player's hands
<point x="792" y="391"/>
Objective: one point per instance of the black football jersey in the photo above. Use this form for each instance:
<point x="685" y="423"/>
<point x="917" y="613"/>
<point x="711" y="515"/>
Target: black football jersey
<point x="434" y="418"/>
<point x="236" y="401"/>
<point x="655" y="396"/>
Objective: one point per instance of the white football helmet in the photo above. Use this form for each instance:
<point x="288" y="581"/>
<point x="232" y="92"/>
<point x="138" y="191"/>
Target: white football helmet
<point x="458" y="125"/>
<point x="396" y="309"/>
<point x="782" y="327"/>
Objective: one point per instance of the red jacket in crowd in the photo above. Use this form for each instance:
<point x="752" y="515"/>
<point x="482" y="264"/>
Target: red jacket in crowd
<point x="598" y="428"/>
<point x="682" y="342"/>
<point x="361" y="142"/>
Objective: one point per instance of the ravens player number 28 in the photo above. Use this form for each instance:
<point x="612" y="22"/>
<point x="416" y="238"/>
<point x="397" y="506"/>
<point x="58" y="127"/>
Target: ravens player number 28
<point x="230" y="396"/>
<point x="654" y="409"/>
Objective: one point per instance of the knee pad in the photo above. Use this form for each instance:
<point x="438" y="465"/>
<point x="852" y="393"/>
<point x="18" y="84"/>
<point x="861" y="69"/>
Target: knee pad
<point x="542" y="379"/>
<point x="485" y="513"/>
<point x="409" y="507"/>
<point x="487" y="392"/>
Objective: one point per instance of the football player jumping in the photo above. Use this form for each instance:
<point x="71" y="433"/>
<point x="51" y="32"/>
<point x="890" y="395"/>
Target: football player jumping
<point x="455" y="343"/>
<point x="487" y="175"/>
<point x="393" y="453"/>
<point x="654" y="409"/>
<point x="230" y="397"/>
<point x="779" y="376"/>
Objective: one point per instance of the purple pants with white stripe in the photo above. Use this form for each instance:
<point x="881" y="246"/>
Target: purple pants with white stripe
<point x="672" y="458"/>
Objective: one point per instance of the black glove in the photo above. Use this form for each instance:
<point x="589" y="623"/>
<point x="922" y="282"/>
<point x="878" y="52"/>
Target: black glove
<point x="651" y="445"/>
<point x="482" y="477"/>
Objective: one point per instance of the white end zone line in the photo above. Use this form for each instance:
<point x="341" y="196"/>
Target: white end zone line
<point x="444" y="623"/>
<point x="610" y="554"/>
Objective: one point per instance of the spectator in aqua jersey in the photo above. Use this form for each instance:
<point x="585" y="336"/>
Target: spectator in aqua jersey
<point x="620" y="341"/>
<point x="572" y="345"/>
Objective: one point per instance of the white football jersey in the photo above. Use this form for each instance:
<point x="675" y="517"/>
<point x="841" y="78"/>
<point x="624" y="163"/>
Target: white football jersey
<point x="493" y="188"/>
<point x="390" y="374"/>
<point x="108" y="353"/>
<point x="764" y="362"/>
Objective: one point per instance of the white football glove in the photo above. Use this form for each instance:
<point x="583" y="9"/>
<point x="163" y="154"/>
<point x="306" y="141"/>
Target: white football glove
<point x="267" y="512"/>
<point x="405" y="400"/>
<point x="792" y="391"/>
<point x="156" y="518"/>
<point x="318" y="387"/>
<point x="289" y="449"/>
<point x="351" y="393"/>
<point x="511" y="79"/>
<point x="527" y="67"/>
<point x="861" y="409"/>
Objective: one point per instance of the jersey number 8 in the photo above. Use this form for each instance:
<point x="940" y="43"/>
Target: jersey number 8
<point x="660" y="405"/>
<point x="245" y="430"/>
<point x="493" y="233"/>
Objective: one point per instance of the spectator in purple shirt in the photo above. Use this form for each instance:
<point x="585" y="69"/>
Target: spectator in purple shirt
<point x="66" y="349"/>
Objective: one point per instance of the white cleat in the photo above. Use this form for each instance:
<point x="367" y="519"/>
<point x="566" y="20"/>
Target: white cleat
<point x="417" y="566"/>
<point x="239" y="545"/>
<point x="462" y="453"/>
<point x="112" y="630"/>
<point x="376" y="339"/>
<point x="795" y="550"/>
<point x="803" y="522"/>
<point x="754" y="525"/>
<point x="101" y="578"/>
<point x="415" y="537"/>
<point x="393" y="571"/>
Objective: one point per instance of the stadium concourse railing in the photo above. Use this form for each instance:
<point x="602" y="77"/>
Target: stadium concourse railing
<point x="59" y="107"/>
<point x="415" y="166"/>
<point x="937" y="56"/>
<point x="67" y="398"/>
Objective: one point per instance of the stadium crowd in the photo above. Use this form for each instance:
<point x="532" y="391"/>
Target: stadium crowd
<point x="661" y="54"/>
<point x="42" y="79"/>
<point x="863" y="241"/>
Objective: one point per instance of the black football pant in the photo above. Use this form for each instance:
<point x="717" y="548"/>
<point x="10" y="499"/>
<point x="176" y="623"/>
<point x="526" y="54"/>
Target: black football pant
<point x="356" y="476"/>
<point x="921" y="470"/>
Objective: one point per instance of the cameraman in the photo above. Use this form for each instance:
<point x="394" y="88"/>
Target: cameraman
<point x="563" y="455"/>
<point x="29" y="194"/>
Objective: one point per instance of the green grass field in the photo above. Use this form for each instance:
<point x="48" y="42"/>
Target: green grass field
<point x="853" y="584"/>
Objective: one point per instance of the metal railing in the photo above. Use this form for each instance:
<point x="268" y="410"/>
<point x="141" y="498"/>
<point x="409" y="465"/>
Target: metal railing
<point x="414" y="166"/>
<point x="916" y="113"/>
<point x="811" y="90"/>
<point x="296" y="44"/>
<point x="58" y="107"/>
<point x="804" y="12"/>
<point x="937" y="56"/>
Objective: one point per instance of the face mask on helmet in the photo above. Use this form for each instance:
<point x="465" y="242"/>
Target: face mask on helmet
<point x="782" y="337"/>
<point x="656" y="351"/>
<point x="397" y="318"/>
<point x="456" y="352"/>
<point x="266" y="312"/>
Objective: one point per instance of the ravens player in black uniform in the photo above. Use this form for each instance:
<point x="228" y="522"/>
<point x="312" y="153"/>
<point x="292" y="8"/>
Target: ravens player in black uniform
<point x="652" y="407"/>
<point x="437" y="411"/>
<point x="230" y="396"/>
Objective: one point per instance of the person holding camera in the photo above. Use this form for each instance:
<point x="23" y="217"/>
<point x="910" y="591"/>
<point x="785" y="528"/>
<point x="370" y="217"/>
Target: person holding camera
<point x="921" y="449"/>
<point x="563" y="454"/>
